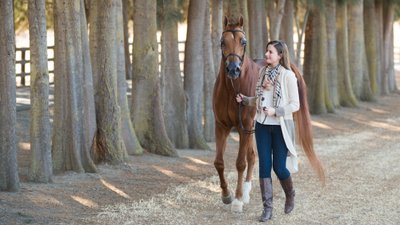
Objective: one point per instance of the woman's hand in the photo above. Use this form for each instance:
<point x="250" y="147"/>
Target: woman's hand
<point x="239" y="98"/>
<point x="269" y="111"/>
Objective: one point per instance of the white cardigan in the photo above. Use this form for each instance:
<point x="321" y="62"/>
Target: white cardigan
<point x="289" y="104"/>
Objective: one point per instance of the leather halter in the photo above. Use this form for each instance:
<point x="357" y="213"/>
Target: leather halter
<point x="234" y="54"/>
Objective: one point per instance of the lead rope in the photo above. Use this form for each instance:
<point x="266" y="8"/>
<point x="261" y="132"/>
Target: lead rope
<point x="240" y="112"/>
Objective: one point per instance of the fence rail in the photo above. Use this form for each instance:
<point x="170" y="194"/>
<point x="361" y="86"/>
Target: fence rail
<point x="22" y="63"/>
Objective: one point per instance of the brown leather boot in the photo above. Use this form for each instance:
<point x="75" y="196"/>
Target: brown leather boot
<point x="287" y="186"/>
<point x="266" y="195"/>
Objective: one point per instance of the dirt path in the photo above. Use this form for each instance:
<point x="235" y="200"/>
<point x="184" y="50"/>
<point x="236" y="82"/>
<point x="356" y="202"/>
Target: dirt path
<point x="359" y="147"/>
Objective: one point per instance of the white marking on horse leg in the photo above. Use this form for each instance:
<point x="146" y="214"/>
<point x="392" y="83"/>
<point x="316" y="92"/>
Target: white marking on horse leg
<point x="246" y="192"/>
<point x="237" y="206"/>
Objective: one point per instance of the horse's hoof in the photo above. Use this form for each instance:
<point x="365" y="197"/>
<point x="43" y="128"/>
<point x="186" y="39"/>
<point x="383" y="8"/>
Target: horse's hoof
<point x="246" y="192"/>
<point x="237" y="206"/>
<point x="227" y="199"/>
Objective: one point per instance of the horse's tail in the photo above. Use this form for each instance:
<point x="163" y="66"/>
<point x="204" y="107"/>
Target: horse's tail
<point x="303" y="126"/>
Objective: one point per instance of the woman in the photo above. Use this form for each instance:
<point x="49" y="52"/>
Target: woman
<point x="277" y="99"/>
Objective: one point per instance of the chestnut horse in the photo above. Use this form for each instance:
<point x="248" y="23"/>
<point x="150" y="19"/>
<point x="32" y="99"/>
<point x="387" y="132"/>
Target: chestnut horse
<point x="237" y="73"/>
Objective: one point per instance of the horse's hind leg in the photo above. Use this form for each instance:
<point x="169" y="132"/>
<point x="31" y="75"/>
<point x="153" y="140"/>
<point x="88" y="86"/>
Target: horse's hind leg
<point x="221" y="135"/>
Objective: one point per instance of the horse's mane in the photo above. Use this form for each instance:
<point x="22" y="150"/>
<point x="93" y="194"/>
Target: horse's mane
<point x="232" y="20"/>
<point x="303" y="126"/>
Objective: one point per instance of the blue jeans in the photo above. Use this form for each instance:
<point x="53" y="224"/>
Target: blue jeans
<point x="272" y="151"/>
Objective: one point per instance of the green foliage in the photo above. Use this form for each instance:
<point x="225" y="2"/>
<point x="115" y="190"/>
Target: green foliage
<point x="21" y="14"/>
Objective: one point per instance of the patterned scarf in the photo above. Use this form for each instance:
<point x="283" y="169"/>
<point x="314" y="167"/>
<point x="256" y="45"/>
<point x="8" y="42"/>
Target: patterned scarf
<point x="272" y="74"/>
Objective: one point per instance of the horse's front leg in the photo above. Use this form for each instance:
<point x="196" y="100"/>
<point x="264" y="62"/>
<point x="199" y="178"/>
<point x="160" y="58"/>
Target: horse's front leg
<point x="251" y="159"/>
<point x="221" y="134"/>
<point x="240" y="196"/>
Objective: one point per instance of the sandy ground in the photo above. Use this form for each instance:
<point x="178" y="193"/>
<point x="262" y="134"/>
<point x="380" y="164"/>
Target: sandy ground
<point x="360" y="148"/>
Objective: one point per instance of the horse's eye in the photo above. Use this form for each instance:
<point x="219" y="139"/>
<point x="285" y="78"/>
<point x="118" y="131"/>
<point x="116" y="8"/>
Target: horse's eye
<point x="243" y="41"/>
<point x="222" y="43"/>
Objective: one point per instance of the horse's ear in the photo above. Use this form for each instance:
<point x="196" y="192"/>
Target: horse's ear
<point x="241" y="21"/>
<point x="225" y="21"/>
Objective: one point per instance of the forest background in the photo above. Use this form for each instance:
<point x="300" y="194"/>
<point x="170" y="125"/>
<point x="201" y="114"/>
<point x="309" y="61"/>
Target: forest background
<point x="348" y="57"/>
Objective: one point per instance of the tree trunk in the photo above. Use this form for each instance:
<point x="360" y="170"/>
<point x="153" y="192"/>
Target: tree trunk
<point x="388" y="17"/>
<point x="131" y="141"/>
<point x="332" y="72"/>
<point x="256" y="39"/>
<point x="72" y="136"/>
<point x="245" y="13"/>
<point x="379" y="44"/>
<point x="41" y="168"/>
<point x="346" y="95"/>
<point x="128" y="64"/>
<point x="174" y="99"/>
<point x="109" y="144"/>
<point x="209" y="78"/>
<point x="275" y="12"/>
<point x="370" y="35"/>
<point x="358" y="72"/>
<point x="147" y="115"/>
<point x="9" y="180"/>
<point x="315" y="60"/>
<point x="286" y="32"/>
<point x="216" y="31"/>
<point x="194" y="73"/>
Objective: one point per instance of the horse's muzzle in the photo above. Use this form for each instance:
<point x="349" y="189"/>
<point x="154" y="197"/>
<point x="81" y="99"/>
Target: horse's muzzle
<point x="233" y="70"/>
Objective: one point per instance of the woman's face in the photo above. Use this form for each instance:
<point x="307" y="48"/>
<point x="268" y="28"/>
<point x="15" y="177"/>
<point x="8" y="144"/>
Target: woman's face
<point x="272" y="56"/>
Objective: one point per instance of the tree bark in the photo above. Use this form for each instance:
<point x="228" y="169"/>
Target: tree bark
<point x="315" y="60"/>
<point x="41" y="166"/>
<point x="216" y="31"/>
<point x="209" y="78"/>
<point x="73" y="124"/>
<point x="370" y="35"/>
<point x="109" y="144"/>
<point x="194" y="73"/>
<point x="332" y="72"/>
<point x="128" y="64"/>
<point x="147" y="115"/>
<point x="174" y="99"/>
<point x="286" y="32"/>
<point x="275" y="12"/>
<point x="9" y="180"/>
<point x="358" y="72"/>
<point x="388" y="17"/>
<point x="257" y="48"/>
<point x="346" y="95"/>
<point x="129" y="137"/>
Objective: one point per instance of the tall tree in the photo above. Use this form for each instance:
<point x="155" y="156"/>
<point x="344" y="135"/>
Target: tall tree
<point x="332" y="72"/>
<point x="315" y="59"/>
<point x="275" y="11"/>
<point x="147" y="115"/>
<point x="74" y="124"/>
<point x="129" y="137"/>
<point x="346" y="95"/>
<point x="109" y="145"/>
<point x="174" y="99"/>
<point x="388" y="18"/>
<point x="256" y="23"/>
<point x="194" y="73"/>
<point x="286" y="31"/>
<point x="358" y="67"/>
<point x="370" y="35"/>
<point x="216" y="30"/>
<point x="125" y="13"/>
<point x="209" y="78"/>
<point x="41" y="166"/>
<point x="9" y="180"/>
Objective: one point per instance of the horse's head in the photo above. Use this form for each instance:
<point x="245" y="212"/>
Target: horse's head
<point x="233" y="47"/>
